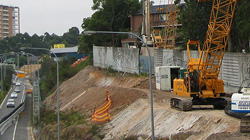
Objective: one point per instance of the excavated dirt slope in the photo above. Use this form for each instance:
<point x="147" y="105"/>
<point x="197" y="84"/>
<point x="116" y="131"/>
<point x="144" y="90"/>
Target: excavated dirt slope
<point x="130" y="109"/>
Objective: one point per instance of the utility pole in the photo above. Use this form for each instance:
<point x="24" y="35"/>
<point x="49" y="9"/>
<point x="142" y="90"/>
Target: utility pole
<point x="148" y="21"/>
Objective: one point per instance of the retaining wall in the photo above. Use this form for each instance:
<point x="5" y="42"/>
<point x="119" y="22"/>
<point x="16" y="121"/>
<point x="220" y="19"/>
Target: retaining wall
<point x="120" y="59"/>
<point x="235" y="66"/>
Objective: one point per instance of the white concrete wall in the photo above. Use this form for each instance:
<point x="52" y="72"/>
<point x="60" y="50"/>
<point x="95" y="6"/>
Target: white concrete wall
<point x="120" y="59"/>
<point x="235" y="66"/>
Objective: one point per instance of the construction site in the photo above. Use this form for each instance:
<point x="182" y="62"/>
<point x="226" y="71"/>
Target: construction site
<point x="189" y="94"/>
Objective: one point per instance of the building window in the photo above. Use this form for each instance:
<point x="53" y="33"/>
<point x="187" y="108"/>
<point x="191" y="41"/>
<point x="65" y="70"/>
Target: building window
<point x="162" y="17"/>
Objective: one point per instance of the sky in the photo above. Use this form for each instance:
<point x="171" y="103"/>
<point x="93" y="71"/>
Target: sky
<point x="52" y="16"/>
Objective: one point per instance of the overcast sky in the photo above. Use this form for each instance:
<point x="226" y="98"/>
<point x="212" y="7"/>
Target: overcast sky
<point x="52" y="16"/>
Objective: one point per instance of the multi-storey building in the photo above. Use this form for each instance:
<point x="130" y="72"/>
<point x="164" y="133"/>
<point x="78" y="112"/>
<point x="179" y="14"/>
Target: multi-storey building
<point x="9" y="21"/>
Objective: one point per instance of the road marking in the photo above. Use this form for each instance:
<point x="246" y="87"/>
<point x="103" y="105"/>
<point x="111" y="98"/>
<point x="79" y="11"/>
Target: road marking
<point x="74" y="99"/>
<point x="14" y="133"/>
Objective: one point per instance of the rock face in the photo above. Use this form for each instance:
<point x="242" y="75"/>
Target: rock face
<point x="130" y="110"/>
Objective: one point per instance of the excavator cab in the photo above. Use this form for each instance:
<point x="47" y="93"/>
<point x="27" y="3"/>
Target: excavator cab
<point x="191" y="80"/>
<point x="240" y="103"/>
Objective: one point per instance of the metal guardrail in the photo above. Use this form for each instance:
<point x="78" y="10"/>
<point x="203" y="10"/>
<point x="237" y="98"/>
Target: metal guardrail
<point x="9" y="119"/>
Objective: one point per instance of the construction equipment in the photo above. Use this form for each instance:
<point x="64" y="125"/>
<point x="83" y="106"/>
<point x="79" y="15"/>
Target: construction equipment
<point x="200" y="81"/>
<point x="166" y="39"/>
<point x="240" y="103"/>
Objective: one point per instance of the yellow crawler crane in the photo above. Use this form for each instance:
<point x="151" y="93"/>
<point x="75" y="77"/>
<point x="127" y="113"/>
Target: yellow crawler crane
<point x="201" y="79"/>
<point x="171" y="25"/>
<point x="169" y="30"/>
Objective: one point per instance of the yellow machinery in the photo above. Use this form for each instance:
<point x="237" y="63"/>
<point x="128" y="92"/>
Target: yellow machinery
<point x="201" y="79"/>
<point x="169" y="30"/>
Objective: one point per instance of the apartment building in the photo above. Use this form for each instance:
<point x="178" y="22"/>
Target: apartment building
<point x="9" y="21"/>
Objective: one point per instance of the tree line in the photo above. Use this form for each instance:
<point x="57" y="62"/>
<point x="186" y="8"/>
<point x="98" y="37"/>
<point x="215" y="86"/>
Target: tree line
<point x="13" y="44"/>
<point x="194" y="17"/>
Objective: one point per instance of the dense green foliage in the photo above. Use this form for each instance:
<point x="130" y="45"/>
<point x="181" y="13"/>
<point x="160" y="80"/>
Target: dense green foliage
<point x="240" y="33"/>
<point x="6" y="81"/>
<point x="68" y="119"/>
<point x="110" y="15"/>
<point x="194" y="17"/>
<point x="13" y="44"/>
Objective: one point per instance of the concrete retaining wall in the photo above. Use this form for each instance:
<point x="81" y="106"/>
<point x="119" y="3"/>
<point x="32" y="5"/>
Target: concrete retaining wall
<point x="235" y="66"/>
<point x="120" y="59"/>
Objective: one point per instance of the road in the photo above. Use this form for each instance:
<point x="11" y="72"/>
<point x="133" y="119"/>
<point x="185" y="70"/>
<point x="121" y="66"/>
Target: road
<point x="3" y="108"/>
<point x="20" y="129"/>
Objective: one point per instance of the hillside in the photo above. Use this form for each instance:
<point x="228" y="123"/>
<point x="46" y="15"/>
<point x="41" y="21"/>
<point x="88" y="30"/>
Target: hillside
<point x="130" y="110"/>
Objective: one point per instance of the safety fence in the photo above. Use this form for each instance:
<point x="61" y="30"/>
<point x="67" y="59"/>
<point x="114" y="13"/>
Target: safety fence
<point x="101" y="114"/>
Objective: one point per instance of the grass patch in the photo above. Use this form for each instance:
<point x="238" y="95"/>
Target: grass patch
<point x="95" y="131"/>
<point x="68" y="119"/>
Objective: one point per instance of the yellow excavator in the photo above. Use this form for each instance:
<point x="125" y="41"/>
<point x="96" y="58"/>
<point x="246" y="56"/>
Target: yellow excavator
<point x="200" y="84"/>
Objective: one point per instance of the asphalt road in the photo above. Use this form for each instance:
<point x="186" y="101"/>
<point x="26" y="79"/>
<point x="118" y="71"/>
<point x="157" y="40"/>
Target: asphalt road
<point x="20" y="98"/>
<point x="20" y="129"/>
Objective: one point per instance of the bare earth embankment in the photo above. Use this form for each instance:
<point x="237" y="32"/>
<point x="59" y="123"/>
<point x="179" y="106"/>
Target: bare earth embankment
<point x="130" y="110"/>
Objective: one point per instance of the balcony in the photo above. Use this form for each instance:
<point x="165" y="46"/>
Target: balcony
<point x="5" y="15"/>
<point x="6" y="10"/>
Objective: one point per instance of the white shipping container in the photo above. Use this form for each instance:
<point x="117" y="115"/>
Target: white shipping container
<point x="165" y="76"/>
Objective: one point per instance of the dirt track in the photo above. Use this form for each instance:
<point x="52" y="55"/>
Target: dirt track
<point x="130" y="108"/>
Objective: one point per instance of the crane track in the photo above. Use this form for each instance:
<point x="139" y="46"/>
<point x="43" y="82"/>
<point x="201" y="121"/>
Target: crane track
<point x="185" y="104"/>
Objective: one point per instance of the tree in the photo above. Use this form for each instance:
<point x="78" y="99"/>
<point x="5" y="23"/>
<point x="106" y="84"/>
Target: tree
<point x="194" y="18"/>
<point x="241" y="26"/>
<point x="71" y="37"/>
<point x="110" y="15"/>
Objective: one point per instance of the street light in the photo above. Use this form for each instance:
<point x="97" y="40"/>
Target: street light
<point x="57" y="73"/>
<point x="150" y="62"/>
<point x="2" y="75"/>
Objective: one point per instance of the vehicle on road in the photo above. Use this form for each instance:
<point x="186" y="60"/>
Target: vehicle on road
<point x="29" y="91"/>
<point x="13" y="95"/>
<point x="10" y="103"/>
<point x="17" y="89"/>
<point x="18" y="83"/>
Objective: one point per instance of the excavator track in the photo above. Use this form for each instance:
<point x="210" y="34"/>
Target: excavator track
<point x="245" y="124"/>
<point x="185" y="104"/>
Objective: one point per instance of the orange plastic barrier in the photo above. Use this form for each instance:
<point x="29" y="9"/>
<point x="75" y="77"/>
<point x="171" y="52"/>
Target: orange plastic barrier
<point x="101" y="114"/>
<point x="78" y="61"/>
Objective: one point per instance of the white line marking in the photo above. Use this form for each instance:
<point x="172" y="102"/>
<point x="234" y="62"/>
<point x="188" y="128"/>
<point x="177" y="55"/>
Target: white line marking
<point x="74" y="99"/>
<point x="14" y="133"/>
